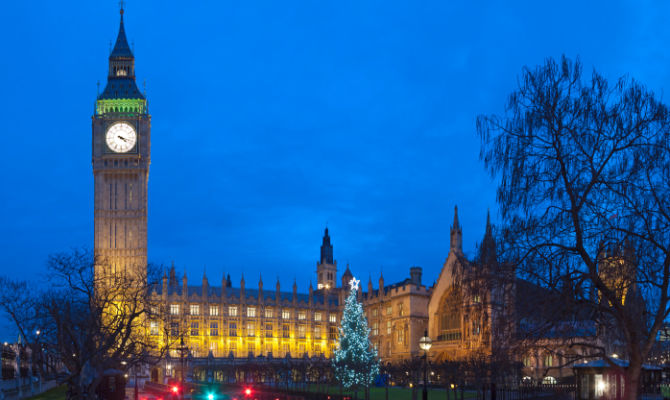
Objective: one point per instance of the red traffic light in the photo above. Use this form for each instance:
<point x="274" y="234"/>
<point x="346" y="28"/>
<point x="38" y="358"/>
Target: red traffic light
<point x="175" y="389"/>
<point x="247" y="392"/>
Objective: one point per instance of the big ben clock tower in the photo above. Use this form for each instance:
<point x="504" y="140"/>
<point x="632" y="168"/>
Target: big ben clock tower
<point x="121" y="158"/>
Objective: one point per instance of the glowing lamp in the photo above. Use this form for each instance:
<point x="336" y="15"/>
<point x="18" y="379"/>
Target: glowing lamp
<point x="247" y="392"/>
<point x="175" y="389"/>
<point x="425" y="343"/>
<point x="210" y="396"/>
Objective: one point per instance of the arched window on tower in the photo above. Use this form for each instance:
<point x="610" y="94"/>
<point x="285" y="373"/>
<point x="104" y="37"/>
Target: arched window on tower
<point x="449" y="316"/>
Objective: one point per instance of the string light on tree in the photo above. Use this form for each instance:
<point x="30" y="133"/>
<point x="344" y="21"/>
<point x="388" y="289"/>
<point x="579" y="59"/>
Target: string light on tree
<point x="355" y="361"/>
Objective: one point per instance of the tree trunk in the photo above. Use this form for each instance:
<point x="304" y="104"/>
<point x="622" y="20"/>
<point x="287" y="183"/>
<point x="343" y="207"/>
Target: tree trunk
<point x="632" y="381"/>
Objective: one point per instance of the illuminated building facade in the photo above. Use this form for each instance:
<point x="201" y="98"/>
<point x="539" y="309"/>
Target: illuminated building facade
<point x="226" y="322"/>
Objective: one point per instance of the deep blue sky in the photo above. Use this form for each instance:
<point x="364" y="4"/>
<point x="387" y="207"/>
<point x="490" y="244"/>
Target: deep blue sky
<point x="273" y="118"/>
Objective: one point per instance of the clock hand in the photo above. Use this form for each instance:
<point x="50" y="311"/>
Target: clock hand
<point x="122" y="138"/>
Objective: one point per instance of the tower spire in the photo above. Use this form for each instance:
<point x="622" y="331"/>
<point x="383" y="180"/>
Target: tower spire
<point x="488" y="252"/>
<point x="456" y="233"/>
<point x="121" y="76"/>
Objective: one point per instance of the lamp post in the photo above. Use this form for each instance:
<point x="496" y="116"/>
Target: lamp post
<point x="182" y="354"/>
<point x="425" y="343"/>
<point x="39" y="359"/>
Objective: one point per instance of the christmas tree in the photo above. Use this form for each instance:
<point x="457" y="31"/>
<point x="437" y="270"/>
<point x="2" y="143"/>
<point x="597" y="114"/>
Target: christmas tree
<point x="355" y="361"/>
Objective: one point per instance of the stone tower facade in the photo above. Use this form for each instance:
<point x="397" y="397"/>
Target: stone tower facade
<point x="121" y="156"/>
<point x="326" y="268"/>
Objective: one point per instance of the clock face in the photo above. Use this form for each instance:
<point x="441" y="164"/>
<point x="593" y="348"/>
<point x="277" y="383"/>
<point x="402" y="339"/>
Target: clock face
<point x="121" y="137"/>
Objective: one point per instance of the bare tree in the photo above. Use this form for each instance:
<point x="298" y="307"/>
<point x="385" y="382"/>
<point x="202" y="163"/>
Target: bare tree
<point x="583" y="170"/>
<point x="91" y="321"/>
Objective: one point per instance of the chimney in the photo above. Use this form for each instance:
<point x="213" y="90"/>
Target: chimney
<point x="415" y="275"/>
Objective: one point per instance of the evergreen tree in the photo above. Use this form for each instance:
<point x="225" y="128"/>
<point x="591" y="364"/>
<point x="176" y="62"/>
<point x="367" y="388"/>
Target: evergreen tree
<point x="355" y="361"/>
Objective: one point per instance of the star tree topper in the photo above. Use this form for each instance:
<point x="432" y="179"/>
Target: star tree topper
<point x="354" y="283"/>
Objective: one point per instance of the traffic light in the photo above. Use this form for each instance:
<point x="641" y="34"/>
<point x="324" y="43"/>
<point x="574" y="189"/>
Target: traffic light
<point x="175" y="389"/>
<point x="247" y="392"/>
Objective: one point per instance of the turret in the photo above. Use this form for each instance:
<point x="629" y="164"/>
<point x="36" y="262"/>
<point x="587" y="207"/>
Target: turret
<point x="415" y="275"/>
<point x="165" y="285"/>
<point x="370" y="289"/>
<point x="260" y="289"/>
<point x="184" y="291"/>
<point x="205" y="286"/>
<point x="223" y="287"/>
<point x="326" y="268"/>
<point x="278" y="294"/>
<point x="346" y="277"/>
<point x="295" y="292"/>
<point x="381" y="284"/>
<point x="456" y="234"/>
<point x="242" y="297"/>
<point x="487" y="251"/>
<point x="173" y="276"/>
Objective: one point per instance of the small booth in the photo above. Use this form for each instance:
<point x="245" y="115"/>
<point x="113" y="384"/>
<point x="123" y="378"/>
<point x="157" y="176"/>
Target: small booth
<point x="112" y="386"/>
<point x="600" y="379"/>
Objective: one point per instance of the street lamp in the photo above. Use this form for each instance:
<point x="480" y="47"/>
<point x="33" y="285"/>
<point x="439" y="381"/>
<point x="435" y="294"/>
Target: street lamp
<point x="425" y="344"/>
<point x="182" y="354"/>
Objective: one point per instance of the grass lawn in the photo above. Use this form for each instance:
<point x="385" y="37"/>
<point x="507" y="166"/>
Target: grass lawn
<point x="396" y="393"/>
<point x="57" y="393"/>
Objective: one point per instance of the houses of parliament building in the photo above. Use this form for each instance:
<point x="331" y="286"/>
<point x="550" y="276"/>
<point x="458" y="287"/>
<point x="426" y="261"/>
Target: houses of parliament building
<point x="251" y="319"/>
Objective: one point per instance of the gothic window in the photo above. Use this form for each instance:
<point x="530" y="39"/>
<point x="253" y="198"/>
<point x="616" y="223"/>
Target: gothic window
<point x="389" y="327"/>
<point x="214" y="329"/>
<point x="449" y="316"/>
<point x="332" y="318"/>
<point x="301" y="331"/>
<point x="286" y="314"/>
<point x="401" y="310"/>
<point x="375" y="328"/>
<point x="174" y="329"/>
<point x="302" y="315"/>
<point x="332" y="333"/>
<point x="389" y="310"/>
<point x="194" y="329"/>
<point x="285" y="331"/>
<point x="268" y="313"/>
<point x="195" y="309"/>
<point x="251" y="312"/>
<point x="232" y="329"/>
<point x="213" y="311"/>
<point x="317" y="332"/>
<point x="250" y="329"/>
<point x="268" y="330"/>
<point x="174" y="309"/>
<point x="317" y="316"/>
<point x="232" y="311"/>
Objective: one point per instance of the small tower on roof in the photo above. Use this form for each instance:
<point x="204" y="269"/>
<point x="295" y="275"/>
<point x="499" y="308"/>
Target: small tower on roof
<point x="346" y="277"/>
<point x="487" y="251"/>
<point x="326" y="268"/>
<point x="456" y="243"/>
